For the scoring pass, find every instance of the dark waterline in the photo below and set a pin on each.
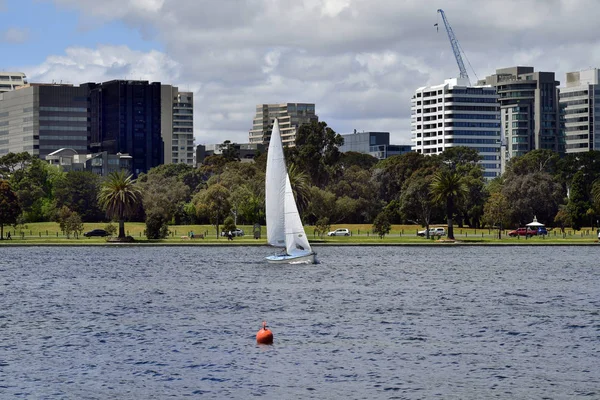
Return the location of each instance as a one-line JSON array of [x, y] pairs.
[[366, 323]]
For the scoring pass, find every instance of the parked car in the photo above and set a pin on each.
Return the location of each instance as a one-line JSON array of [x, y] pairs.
[[96, 232], [235, 232], [542, 231], [340, 232], [524, 232], [433, 232]]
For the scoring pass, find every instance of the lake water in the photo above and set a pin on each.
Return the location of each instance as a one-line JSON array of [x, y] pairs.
[[367, 323]]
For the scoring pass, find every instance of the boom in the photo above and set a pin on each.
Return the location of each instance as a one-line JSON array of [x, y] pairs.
[[455, 46]]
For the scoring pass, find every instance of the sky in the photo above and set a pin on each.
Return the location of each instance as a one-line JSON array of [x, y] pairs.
[[358, 61]]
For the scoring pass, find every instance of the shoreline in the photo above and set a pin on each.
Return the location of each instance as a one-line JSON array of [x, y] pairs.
[[341, 244]]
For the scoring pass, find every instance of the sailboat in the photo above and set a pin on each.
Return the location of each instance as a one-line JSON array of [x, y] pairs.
[[284, 227]]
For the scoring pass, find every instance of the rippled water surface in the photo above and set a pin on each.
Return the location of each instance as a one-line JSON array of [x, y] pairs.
[[366, 323]]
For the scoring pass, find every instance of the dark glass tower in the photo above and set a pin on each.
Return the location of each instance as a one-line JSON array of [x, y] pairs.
[[125, 118]]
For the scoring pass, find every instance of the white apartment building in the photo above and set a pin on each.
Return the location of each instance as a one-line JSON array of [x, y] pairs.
[[457, 114], [290, 116], [11, 81], [177, 125], [580, 109]]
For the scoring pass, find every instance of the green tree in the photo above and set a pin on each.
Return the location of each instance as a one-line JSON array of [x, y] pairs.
[[73, 225], [578, 204], [156, 225], [447, 186], [110, 228], [416, 202], [361, 160], [213, 203], [587, 162], [11, 162], [9, 206], [322, 226], [461, 156], [393, 172], [163, 196], [317, 152], [543, 160], [229, 224], [62, 215], [536, 194], [322, 204], [494, 212], [33, 187], [230, 151], [78, 190], [381, 225], [562, 218], [119, 196]]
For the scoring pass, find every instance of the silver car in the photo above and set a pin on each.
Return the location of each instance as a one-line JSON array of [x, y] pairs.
[[339, 232]]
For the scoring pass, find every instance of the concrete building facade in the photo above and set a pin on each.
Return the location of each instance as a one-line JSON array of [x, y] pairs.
[[530, 114], [42, 118], [11, 81], [290, 116], [177, 125], [458, 114], [580, 110]]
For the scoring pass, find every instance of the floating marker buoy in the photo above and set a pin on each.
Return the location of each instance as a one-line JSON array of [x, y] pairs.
[[264, 336]]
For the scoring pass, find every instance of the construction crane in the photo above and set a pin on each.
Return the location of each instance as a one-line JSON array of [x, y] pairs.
[[455, 46]]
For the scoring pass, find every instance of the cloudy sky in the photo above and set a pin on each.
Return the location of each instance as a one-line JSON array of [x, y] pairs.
[[359, 61]]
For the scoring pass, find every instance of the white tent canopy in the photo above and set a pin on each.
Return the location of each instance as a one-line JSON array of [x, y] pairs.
[[535, 223]]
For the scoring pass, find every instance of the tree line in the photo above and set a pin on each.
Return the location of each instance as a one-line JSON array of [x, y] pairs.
[[330, 188]]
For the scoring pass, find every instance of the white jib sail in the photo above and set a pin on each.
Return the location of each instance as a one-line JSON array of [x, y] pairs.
[[275, 189], [296, 242]]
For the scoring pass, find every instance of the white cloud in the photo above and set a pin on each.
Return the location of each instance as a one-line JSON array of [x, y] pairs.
[[79, 65], [14, 35], [359, 61]]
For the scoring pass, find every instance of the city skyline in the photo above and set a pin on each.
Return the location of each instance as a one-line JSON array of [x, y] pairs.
[[358, 61]]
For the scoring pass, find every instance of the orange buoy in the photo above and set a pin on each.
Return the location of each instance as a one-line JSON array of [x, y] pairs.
[[264, 336]]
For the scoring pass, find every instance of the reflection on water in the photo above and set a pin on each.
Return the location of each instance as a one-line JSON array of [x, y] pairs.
[[368, 322]]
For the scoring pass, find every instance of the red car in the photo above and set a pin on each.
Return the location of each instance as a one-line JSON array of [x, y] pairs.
[[523, 232]]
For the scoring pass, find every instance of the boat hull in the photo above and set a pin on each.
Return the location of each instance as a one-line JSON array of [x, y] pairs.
[[287, 259]]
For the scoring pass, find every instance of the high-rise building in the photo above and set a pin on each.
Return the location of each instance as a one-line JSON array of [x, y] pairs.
[[11, 81], [457, 114], [42, 118], [177, 125], [290, 116], [529, 110], [126, 118], [580, 109]]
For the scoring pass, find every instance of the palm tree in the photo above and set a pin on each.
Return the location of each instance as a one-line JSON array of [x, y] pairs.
[[119, 196], [448, 186]]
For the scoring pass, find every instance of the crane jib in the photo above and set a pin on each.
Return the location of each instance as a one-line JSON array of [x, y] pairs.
[[455, 46]]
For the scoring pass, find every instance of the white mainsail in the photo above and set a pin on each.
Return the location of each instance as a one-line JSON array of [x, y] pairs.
[[284, 227], [275, 190]]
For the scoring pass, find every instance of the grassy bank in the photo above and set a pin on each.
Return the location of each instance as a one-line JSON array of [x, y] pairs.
[[49, 233]]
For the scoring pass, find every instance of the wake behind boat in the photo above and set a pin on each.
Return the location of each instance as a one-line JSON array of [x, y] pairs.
[[284, 227]]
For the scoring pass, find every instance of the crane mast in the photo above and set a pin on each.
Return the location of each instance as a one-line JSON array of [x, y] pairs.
[[455, 46]]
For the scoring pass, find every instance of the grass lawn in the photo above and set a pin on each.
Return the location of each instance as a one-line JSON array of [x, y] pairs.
[[49, 233]]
